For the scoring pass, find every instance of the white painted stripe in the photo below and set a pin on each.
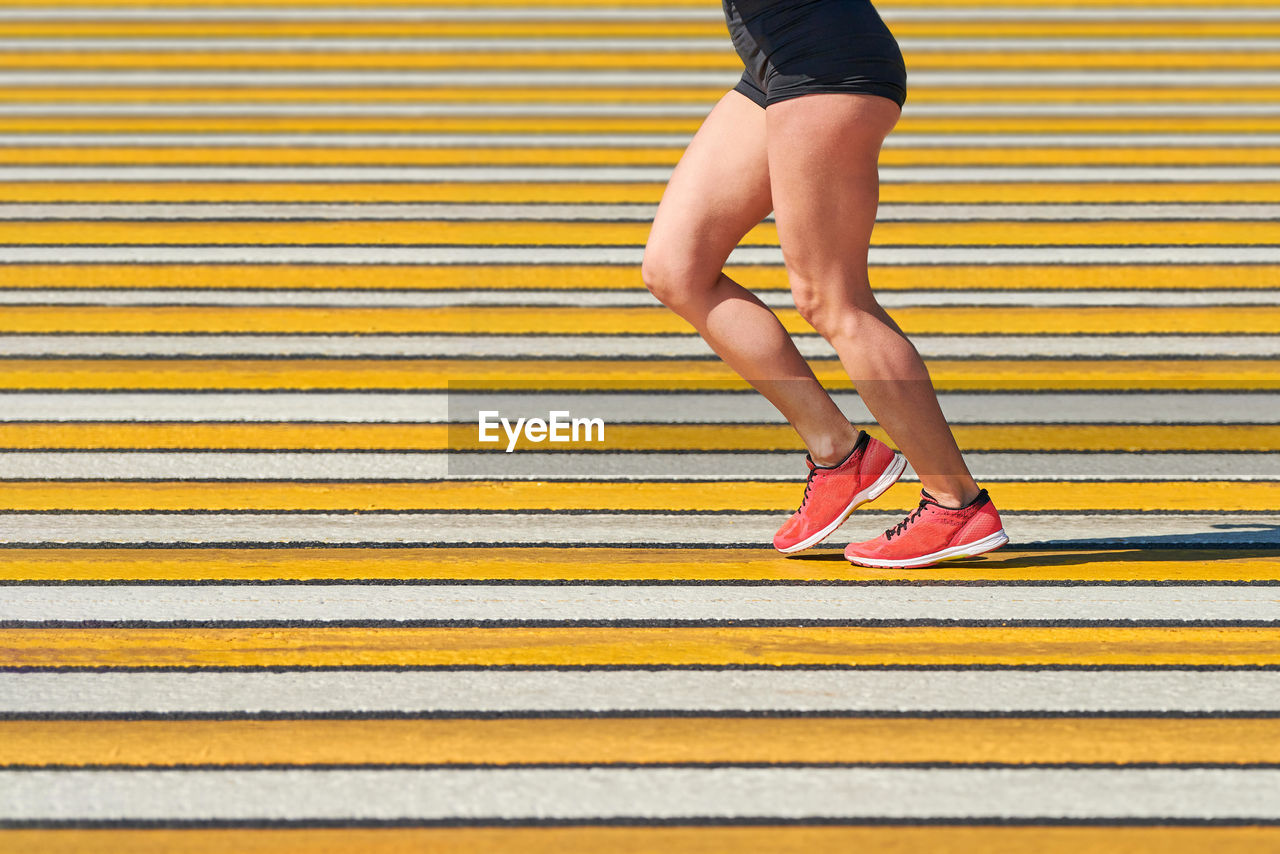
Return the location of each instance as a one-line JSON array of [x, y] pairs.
[[348, 408], [899, 139], [656, 12], [554, 462], [640, 44], [416, 109], [635, 297], [640, 77], [409, 139], [643, 794], [574, 602], [600, 346], [596, 212], [624, 174], [525, 529], [1030, 691], [1119, 12], [629, 256], [623, 407]]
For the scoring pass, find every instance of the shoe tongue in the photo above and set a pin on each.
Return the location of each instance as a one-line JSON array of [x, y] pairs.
[[929, 498], [808, 460]]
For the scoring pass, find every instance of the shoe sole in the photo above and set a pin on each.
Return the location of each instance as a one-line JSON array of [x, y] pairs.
[[988, 543], [887, 478]]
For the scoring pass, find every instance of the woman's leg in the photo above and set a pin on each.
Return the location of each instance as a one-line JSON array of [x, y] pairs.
[[718, 192], [823, 151]]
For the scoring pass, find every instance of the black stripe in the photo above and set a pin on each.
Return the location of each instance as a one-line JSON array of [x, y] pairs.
[[638, 668], [645, 358], [640, 220], [628, 821], [656, 336], [586, 483], [498, 289], [440, 450], [565, 222], [797, 623], [651, 582], [1119, 387], [665, 389], [621, 265], [572, 221], [246, 182], [727, 482], [1190, 541], [648, 714], [1136, 425], [640, 766]]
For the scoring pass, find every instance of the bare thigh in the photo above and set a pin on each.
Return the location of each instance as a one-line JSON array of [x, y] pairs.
[[823, 159], [717, 193]]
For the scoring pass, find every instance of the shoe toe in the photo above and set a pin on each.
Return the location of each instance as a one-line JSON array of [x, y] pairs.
[[789, 534], [868, 548]]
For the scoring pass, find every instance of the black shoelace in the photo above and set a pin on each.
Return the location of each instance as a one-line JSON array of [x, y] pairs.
[[807, 483], [897, 529]]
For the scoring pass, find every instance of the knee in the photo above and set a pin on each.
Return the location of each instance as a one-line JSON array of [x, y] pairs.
[[674, 278], [831, 312], [654, 273]]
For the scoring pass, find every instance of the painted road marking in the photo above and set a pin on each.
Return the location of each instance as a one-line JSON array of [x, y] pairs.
[[644, 794], [587, 693], [1092, 528], [668, 406], [512, 604], [509, 347], [640, 740]]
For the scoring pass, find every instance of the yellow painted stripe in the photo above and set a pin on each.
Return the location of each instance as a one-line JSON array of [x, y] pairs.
[[638, 374], [587, 192], [602, 94], [437, 29], [1014, 741], [602, 647], [611, 564], [624, 156], [971, 437], [621, 437], [685, 60], [429, 4], [520, 496], [638, 320], [1112, 124], [634, 840], [577, 233], [1196, 277], [671, 29]]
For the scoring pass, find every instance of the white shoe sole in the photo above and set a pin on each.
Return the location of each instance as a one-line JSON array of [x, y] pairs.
[[887, 479], [977, 547]]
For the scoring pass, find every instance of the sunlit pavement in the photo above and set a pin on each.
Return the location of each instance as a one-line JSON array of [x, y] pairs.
[[266, 587]]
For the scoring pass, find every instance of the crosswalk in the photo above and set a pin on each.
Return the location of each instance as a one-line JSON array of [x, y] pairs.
[[263, 588]]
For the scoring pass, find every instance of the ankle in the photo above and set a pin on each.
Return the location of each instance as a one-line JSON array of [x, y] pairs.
[[834, 449], [956, 497]]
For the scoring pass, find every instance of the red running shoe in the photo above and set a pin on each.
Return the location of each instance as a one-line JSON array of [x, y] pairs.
[[933, 533], [833, 492]]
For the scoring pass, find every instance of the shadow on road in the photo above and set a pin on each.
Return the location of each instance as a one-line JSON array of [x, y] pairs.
[[1228, 541]]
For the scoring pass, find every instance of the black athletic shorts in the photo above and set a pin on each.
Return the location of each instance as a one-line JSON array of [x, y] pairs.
[[798, 47]]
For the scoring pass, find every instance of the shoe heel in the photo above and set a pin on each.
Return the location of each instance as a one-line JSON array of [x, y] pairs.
[[890, 476], [989, 543]]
